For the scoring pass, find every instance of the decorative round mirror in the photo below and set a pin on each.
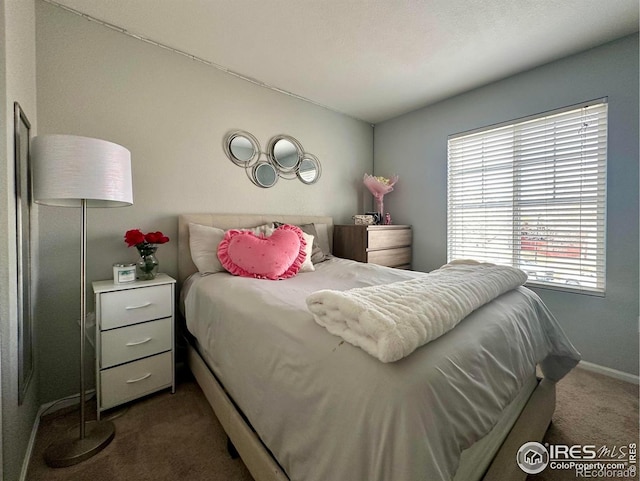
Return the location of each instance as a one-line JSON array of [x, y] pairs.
[[242, 148], [285, 158], [264, 175], [285, 153], [309, 169]]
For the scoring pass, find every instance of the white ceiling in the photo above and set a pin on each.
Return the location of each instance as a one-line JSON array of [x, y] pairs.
[[372, 59]]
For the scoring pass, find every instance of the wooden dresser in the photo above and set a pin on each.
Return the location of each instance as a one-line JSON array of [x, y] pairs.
[[386, 245]]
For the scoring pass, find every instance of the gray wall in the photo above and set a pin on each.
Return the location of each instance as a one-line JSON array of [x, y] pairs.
[[605, 330], [17, 83], [172, 114]]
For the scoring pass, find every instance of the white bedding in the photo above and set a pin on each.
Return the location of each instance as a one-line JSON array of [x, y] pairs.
[[390, 321], [329, 411]]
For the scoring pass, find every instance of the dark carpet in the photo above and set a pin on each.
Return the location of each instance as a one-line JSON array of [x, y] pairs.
[[167, 437], [591, 409], [162, 437]]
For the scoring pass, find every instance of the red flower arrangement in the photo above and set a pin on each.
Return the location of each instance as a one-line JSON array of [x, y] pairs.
[[135, 237], [147, 244]]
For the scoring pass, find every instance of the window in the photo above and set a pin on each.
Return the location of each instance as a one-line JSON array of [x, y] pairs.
[[531, 194]]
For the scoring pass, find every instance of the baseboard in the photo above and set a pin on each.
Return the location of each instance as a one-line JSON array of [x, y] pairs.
[[47, 408], [30, 444], [607, 371], [66, 402]]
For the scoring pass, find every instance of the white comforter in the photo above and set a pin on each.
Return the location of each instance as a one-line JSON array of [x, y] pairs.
[[328, 411], [390, 321]]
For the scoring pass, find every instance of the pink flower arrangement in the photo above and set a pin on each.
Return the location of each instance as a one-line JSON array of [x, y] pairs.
[[379, 186]]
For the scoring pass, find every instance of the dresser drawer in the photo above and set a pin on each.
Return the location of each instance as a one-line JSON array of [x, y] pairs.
[[390, 257], [121, 308], [389, 238], [129, 381], [133, 342]]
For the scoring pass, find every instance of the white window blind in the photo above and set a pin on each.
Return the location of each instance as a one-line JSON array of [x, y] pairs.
[[531, 194]]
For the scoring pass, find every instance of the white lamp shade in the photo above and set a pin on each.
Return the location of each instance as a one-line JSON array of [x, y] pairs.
[[69, 168]]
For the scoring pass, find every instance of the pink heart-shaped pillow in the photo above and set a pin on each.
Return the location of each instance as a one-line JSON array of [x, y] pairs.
[[278, 256]]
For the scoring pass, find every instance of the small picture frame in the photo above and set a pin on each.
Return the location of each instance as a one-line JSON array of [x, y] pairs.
[[377, 217]]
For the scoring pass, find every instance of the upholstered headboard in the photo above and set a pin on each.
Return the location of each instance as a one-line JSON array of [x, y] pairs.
[[186, 267]]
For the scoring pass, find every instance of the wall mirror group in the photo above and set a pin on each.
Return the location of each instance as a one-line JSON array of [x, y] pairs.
[[285, 158]]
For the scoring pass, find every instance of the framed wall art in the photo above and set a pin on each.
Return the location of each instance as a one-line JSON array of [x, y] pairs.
[[23, 184]]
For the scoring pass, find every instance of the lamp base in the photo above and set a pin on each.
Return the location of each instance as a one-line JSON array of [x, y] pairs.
[[98, 434]]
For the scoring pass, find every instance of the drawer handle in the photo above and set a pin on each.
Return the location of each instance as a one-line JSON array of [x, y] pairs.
[[146, 304], [131, 381], [137, 343]]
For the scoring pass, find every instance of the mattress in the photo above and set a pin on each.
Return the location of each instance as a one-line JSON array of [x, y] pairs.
[[328, 410], [475, 460]]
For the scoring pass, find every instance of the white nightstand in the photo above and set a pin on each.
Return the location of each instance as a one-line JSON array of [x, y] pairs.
[[134, 339]]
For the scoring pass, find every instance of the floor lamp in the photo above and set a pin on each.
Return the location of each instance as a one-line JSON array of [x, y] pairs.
[[72, 171]]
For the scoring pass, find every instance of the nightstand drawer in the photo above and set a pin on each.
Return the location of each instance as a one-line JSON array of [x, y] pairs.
[[390, 257], [386, 245], [121, 308], [386, 239], [130, 381], [133, 342]]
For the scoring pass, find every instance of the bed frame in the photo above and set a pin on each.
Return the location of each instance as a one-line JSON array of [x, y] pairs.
[[531, 424]]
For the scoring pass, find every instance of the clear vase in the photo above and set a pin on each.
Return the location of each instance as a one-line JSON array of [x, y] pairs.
[[148, 263], [380, 205]]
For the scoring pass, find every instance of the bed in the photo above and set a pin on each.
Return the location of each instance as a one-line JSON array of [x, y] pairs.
[[298, 403]]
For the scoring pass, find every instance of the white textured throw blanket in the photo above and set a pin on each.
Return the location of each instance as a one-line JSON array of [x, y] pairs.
[[390, 321]]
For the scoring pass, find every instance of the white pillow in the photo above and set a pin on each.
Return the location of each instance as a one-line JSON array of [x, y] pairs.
[[266, 229], [204, 241], [307, 265]]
